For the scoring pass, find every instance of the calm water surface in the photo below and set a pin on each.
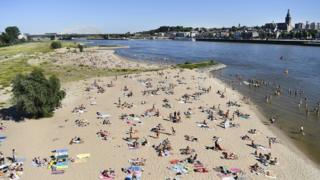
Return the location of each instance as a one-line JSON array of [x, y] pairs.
[[252, 61]]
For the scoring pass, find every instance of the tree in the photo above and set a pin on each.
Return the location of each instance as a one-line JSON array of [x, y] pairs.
[[4, 38], [56, 45], [12, 32], [35, 96]]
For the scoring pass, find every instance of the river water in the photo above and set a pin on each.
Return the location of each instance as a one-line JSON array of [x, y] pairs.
[[252, 61]]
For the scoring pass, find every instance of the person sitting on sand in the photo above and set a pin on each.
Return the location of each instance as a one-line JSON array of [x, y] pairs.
[[253, 144], [217, 145], [205, 123], [2, 158], [254, 168], [106, 122], [191, 159], [274, 161], [144, 142], [252, 131]]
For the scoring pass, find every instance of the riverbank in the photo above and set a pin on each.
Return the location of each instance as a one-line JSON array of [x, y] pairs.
[[280, 42], [193, 93]]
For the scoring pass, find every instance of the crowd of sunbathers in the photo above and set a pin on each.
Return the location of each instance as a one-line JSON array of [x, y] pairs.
[[212, 115], [10, 167]]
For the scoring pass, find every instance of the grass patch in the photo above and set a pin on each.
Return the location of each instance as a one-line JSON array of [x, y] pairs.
[[203, 64], [9, 69], [30, 48], [19, 64]]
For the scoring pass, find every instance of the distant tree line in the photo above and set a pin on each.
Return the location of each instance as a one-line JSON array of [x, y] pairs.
[[10, 36], [165, 29], [304, 34]]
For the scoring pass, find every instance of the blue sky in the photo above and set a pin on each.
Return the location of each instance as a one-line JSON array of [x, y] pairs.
[[118, 16]]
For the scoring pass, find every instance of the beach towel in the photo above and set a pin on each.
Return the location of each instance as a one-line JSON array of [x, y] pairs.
[[235, 170], [178, 168], [57, 171], [107, 178], [200, 168], [83, 156], [174, 161], [20, 160], [60, 167], [60, 151], [228, 178], [244, 116], [3, 138], [202, 125]]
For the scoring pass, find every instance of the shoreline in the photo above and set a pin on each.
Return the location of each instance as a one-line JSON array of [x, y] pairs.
[[279, 42]]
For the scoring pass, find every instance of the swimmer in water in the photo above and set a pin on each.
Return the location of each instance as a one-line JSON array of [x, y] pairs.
[[301, 130]]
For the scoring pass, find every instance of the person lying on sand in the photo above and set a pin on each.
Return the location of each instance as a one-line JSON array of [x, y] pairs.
[[190, 138], [108, 173], [186, 151], [231, 156], [76, 140], [246, 137]]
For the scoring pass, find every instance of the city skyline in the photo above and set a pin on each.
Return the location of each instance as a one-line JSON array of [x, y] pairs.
[[126, 16]]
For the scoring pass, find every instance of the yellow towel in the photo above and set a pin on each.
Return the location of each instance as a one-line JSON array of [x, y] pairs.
[[83, 156]]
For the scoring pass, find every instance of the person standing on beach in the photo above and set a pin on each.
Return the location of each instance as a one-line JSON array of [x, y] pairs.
[[13, 155], [270, 143], [173, 131]]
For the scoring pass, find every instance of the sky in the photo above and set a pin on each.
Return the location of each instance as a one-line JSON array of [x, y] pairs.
[[120, 16]]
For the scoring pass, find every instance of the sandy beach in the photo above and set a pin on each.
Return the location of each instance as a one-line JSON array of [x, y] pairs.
[[96, 57], [151, 97]]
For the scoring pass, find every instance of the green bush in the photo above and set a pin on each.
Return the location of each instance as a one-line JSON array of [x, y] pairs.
[[36, 96], [80, 47], [56, 45]]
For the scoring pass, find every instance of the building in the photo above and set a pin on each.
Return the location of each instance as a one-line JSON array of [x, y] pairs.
[[23, 36], [307, 25], [299, 26], [313, 26], [285, 26]]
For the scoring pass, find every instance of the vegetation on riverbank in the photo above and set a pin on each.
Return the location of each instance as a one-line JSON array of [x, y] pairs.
[[14, 60], [198, 65]]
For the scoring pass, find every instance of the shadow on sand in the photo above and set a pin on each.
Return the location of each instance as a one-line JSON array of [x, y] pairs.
[[11, 113]]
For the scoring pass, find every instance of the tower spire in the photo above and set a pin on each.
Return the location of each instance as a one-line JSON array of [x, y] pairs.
[[288, 13]]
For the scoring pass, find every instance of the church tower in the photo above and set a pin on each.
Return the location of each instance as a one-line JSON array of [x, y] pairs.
[[288, 18]]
